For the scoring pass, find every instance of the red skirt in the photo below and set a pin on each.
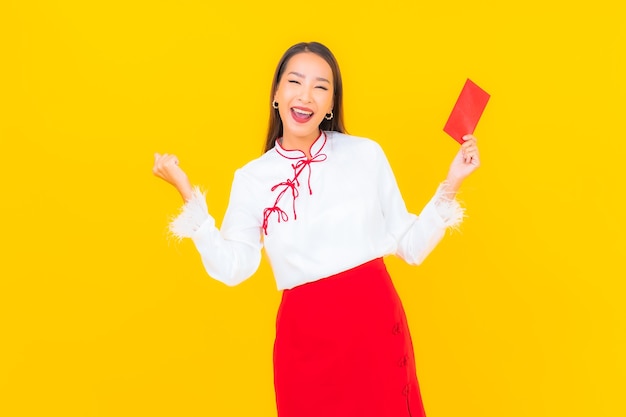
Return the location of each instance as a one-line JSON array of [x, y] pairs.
[[343, 348]]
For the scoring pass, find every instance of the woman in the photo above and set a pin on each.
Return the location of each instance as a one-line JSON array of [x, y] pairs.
[[326, 208]]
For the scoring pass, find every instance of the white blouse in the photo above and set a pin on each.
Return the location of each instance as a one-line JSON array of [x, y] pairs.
[[315, 217]]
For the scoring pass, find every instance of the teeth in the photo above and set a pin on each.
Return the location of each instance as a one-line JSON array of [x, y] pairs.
[[305, 113]]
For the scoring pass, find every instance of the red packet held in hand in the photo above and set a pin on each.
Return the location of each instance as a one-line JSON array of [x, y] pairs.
[[467, 111]]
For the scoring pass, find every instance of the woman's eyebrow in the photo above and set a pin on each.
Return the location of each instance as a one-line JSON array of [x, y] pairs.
[[297, 74]]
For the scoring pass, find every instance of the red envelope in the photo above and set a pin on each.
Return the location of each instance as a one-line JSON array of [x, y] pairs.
[[467, 111]]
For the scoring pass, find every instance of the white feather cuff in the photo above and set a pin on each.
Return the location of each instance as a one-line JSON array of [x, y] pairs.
[[193, 214], [448, 208]]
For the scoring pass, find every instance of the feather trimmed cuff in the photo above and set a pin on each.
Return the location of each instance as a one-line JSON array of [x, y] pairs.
[[193, 214], [448, 208]]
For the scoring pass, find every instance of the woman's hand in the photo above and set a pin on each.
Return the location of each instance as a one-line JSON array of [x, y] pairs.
[[465, 162], [166, 167]]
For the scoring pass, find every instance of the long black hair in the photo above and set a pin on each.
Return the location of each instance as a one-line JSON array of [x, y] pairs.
[[275, 129]]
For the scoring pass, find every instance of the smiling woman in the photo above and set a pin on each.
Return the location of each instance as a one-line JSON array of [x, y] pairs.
[[323, 74], [326, 208], [303, 98]]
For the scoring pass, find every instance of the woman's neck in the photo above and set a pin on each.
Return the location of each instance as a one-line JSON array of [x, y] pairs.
[[291, 142]]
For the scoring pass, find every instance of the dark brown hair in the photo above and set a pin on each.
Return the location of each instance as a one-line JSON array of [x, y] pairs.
[[275, 129]]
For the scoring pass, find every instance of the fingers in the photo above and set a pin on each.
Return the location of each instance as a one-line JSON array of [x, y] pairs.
[[469, 149], [163, 163], [165, 159], [470, 155]]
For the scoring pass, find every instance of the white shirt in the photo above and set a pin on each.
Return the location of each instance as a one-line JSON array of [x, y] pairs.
[[315, 217]]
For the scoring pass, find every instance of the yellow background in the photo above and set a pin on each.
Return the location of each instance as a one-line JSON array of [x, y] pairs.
[[520, 314]]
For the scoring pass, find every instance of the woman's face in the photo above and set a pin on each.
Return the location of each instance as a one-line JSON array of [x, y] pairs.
[[304, 95]]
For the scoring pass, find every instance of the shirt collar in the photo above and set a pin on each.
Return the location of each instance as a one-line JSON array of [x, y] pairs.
[[315, 149]]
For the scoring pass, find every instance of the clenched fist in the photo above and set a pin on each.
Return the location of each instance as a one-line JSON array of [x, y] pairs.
[[167, 168]]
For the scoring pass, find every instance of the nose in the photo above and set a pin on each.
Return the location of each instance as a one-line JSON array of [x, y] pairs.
[[305, 95]]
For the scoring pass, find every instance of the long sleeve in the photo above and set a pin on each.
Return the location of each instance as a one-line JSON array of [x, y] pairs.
[[416, 236], [232, 254], [345, 209]]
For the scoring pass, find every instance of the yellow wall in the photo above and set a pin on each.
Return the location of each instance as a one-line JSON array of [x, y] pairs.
[[520, 314]]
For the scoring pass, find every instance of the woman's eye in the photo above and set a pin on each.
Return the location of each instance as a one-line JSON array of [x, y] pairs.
[[294, 81], [322, 87]]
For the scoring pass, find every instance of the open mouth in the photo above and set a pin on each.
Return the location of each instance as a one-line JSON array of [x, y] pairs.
[[301, 115]]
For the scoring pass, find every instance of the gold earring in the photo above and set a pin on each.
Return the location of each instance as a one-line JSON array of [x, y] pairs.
[[275, 104], [329, 115]]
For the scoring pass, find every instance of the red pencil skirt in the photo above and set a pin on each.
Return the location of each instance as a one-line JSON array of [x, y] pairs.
[[343, 348]]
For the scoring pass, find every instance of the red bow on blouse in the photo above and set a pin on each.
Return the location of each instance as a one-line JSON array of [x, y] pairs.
[[291, 184]]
